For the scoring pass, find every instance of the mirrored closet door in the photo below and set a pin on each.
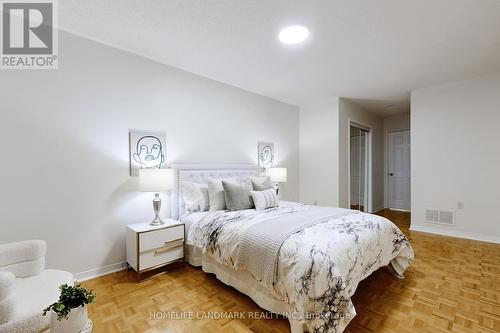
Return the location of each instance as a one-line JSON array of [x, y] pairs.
[[359, 165]]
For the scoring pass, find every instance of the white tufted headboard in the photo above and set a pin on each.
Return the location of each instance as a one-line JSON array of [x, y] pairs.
[[200, 173]]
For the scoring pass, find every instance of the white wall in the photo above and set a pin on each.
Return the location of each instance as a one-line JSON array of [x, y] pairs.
[[393, 123], [456, 156], [324, 158], [64, 141], [397, 122], [319, 152], [351, 112]]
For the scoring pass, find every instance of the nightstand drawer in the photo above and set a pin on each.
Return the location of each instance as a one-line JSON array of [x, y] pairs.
[[159, 257], [158, 238]]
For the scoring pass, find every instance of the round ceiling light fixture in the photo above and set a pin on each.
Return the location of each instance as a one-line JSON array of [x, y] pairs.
[[293, 34]]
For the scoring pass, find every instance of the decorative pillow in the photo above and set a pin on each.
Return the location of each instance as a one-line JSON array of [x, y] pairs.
[[195, 197], [216, 193], [264, 199], [237, 196], [262, 183]]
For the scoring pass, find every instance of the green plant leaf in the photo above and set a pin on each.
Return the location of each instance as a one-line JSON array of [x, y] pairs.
[[71, 297]]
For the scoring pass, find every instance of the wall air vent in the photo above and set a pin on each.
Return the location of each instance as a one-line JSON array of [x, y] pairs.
[[432, 215], [446, 217], [440, 216]]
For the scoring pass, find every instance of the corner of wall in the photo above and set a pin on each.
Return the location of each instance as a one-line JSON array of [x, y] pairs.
[[318, 145]]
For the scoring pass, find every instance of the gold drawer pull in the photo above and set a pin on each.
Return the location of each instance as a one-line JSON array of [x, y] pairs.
[[171, 245], [163, 250], [175, 240]]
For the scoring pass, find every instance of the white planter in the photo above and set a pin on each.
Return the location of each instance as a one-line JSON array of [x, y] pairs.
[[76, 321]]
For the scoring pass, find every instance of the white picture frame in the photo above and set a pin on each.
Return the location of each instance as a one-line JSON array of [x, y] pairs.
[[265, 155]]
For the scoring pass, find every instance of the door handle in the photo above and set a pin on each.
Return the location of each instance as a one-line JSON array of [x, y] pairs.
[[391, 174]]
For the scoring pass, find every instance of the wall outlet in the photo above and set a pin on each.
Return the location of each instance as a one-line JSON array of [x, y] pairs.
[[460, 205]]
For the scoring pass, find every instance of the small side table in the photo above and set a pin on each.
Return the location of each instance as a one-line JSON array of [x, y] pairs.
[[151, 247]]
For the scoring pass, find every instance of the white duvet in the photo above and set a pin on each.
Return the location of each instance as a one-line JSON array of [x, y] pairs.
[[320, 267]]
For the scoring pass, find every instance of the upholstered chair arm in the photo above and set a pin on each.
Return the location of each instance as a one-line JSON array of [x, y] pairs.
[[32, 324], [23, 259], [7, 297]]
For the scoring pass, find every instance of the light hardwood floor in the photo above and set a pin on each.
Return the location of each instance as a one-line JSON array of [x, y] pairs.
[[452, 286]]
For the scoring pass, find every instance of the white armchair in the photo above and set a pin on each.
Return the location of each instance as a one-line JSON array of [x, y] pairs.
[[26, 287]]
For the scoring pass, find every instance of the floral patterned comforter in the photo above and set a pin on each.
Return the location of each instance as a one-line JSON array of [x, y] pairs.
[[320, 267]]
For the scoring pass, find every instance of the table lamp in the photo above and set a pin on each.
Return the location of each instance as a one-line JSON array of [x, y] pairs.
[[277, 175], [156, 181]]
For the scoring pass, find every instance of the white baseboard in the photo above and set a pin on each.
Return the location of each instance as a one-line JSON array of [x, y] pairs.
[[378, 209], [456, 233], [100, 271], [400, 210]]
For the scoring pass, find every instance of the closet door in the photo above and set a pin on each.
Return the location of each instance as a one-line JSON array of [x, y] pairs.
[[359, 177]]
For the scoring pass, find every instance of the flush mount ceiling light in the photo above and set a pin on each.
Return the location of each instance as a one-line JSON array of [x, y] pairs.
[[293, 34]]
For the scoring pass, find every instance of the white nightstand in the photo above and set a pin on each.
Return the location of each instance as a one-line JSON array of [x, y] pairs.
[[150, 247]]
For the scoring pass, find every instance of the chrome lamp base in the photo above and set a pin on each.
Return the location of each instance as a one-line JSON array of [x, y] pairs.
[[157, 222], [156, 207]]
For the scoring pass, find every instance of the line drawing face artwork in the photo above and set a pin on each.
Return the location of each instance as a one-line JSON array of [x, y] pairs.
[[147, 150], [265, 155]]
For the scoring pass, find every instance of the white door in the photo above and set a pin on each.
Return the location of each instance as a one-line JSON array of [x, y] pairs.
[[399, 170]]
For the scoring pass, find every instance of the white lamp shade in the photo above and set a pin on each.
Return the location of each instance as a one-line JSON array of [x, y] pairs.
[[277, 175], [156, 180]]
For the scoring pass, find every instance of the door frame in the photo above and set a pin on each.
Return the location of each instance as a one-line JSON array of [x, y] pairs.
[[368, 164], [386, 168]]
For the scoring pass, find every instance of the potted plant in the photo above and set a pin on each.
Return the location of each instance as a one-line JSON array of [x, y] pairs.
[[69, 313]]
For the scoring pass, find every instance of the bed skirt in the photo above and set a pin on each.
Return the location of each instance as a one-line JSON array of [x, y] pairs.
[[244, 283]]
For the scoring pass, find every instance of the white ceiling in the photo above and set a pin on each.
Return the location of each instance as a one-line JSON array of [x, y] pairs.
[[374, 52]]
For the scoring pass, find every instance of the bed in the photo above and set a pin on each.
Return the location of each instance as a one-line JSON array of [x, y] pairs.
[[303, 262]]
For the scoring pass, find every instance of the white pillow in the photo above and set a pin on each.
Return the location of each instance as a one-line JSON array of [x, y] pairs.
[[264, 199], [262, 183], [216, 197], [195, 197]]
